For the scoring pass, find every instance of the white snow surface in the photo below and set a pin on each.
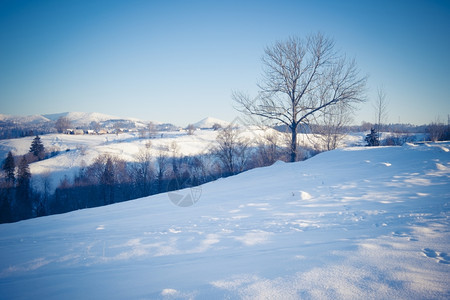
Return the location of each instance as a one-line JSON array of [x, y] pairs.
[[357, 223]]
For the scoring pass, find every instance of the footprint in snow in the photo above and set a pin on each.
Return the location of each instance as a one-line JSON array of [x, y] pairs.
[[440, 257], [404, 235]]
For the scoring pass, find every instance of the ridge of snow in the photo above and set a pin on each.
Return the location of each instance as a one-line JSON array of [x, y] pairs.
[[24, 119], [86, 118]]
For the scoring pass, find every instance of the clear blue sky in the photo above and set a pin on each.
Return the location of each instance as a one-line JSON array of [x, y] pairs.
[[179, 61]]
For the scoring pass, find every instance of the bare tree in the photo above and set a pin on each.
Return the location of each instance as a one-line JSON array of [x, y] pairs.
[[152, 130], [190, 129], [231, 150], [269, 149], [175, 159], [381, 109], [300, 79], [161, 168], [95, 126], [143, 172], [436, 130], [62, 124], [143, 132], [329, 127]]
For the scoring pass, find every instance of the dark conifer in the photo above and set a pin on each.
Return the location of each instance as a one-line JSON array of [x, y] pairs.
[[23, 195], [9, 167], [372, 138], [37, 148]]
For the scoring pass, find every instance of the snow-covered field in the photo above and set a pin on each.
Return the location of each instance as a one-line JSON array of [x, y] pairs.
[[356, 223]]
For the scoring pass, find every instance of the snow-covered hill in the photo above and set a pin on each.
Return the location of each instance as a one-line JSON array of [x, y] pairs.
[[358, 223], [210, 122], [84, 118], [32, 119]]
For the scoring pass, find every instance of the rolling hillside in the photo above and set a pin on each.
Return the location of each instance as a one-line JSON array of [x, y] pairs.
[[345, 224]]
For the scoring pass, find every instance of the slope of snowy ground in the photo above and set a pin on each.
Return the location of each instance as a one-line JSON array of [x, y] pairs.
[[358, 223]]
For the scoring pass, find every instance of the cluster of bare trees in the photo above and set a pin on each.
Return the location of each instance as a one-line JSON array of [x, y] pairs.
[[438, 131]]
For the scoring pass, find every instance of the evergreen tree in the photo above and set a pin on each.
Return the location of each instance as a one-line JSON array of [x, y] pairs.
[[23, 173], [372, 138], [37, 148], [107, 181], [23, 195], [7, 189], [5, 205], [9, 167]]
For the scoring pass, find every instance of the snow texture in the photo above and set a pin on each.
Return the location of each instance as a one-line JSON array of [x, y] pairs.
[[357, 223]]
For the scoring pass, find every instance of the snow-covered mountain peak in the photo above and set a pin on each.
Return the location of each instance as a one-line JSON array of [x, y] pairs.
[[209, 122]]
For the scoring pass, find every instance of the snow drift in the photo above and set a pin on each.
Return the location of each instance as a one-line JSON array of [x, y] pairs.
[[346, 224]]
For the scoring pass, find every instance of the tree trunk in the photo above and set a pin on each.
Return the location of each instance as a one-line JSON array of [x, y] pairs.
[[294, 143]]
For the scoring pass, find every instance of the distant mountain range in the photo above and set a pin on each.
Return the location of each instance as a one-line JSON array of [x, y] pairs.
[[77, 117], [18, 126]]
